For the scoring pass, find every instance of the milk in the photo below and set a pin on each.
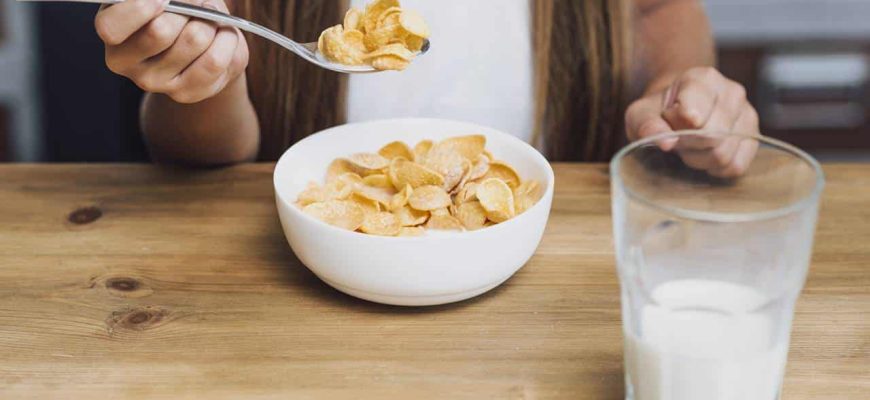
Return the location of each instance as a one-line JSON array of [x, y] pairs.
[[699, 340]]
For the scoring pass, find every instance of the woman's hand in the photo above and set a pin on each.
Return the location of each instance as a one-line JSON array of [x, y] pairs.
[[189, 60], [700, 98]]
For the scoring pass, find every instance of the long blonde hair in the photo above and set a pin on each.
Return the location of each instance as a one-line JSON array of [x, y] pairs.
[[580, 90]]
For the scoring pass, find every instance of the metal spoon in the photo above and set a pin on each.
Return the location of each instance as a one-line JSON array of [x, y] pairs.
[[308, 51]]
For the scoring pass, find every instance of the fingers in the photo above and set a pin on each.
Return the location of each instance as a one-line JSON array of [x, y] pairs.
[[693, 104], [713, 158], [644, 119], [195, 39], [700, 99], [746, 150], [188, 59], [210, 72], [117, 23], [706, 100], [154, 38]]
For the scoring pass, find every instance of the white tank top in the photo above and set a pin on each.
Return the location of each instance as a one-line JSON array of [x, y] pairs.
[[479, 69]]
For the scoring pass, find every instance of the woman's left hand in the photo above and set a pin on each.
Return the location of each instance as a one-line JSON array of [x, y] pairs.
[[700, 98]]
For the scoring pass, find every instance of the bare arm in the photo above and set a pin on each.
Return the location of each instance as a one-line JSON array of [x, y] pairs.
[[674, 36], [686, 92], [219, 130], [197, 109]]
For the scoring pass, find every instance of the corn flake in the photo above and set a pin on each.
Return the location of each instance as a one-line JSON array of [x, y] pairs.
[[401, 199], [526, 195], [453, 185], [428, 198], [373, 12], [470, 147], [504, 172], [421, 150], [389, 63], [410, 217], [353, 19], [449, 163], [444, 223], [378, 180], [403, 172], [412, 231], [497, 199], [342, 214], [368, 162], [337, 168], [382, 195], [472, 215], [381, 224], [385, 36], [343, 46], [414, 24], [441, 211], [467, 193], [369, 206], [396, 150]]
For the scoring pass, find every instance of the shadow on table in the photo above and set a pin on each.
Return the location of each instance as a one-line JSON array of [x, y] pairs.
[[298, 276]]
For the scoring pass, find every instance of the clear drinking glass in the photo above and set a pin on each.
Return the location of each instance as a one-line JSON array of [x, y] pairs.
[[710, 268]]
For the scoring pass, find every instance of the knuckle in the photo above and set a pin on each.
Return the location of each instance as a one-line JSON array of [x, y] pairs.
[[179, 96], [213, 64], [691, 116], [704, 74], [695, 88], [710, 73], [738, 91], [721, 156], [113, 64], [144, 7], [171, 85], [241, 59], [152, 82], [185, 97], [198, 36], [105, 32], [752, 116], [148, 83], [160, 33], [633, 109]]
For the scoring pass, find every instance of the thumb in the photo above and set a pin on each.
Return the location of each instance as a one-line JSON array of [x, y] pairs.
[[644, 119]]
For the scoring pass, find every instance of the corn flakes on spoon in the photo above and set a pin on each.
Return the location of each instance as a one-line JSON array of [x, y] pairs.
[[307, 51]]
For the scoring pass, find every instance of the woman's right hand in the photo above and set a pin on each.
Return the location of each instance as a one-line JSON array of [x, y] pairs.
[[185, 58]]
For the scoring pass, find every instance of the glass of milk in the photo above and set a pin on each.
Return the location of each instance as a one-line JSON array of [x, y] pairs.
[[710, 264]]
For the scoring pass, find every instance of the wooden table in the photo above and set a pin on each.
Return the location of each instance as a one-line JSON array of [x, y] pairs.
[[146, 282]]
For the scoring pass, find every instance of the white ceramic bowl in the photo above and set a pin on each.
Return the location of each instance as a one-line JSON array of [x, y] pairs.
[[416, 271]]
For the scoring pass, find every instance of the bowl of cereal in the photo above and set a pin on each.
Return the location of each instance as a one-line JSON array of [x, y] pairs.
[[413, 212]]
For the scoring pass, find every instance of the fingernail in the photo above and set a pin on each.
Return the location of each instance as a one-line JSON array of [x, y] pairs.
[[670, 98], [666, 99], [211, 5]]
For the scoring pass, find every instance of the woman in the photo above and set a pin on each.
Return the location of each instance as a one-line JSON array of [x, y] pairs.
[[560, 73]]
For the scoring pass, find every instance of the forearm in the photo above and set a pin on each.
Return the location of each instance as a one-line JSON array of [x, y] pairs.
[[220, 130], [674, 35]]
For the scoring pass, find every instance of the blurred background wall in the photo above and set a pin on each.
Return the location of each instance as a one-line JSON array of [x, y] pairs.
[[806, 64]]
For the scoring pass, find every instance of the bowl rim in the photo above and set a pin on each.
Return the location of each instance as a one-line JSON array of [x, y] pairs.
[[536, 156]]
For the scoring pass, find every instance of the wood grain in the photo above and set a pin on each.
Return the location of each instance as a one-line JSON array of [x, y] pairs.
[[146, 282]]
